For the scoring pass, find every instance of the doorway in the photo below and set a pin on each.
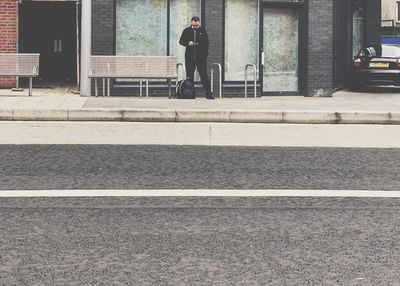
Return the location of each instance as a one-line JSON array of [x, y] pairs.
[[349, 36], [280, 49], [50, 28]]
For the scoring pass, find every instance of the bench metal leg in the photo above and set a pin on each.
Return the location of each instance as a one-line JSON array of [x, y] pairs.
[[141, 88], [30, 86], [104, 87], [169, 88], [108, 91], [96, 92], [147, 88]]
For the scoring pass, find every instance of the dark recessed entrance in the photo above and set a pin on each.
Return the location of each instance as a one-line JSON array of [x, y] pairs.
[[49, 28]]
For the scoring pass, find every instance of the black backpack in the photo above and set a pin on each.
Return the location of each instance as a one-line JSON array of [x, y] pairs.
[[185, 90]]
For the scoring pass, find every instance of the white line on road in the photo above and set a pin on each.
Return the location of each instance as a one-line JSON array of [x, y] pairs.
[[200, 193]]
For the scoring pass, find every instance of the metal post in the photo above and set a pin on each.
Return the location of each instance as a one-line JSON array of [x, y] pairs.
[[141, 87], [183, 73], [245, 82], [108, 80], [220, 78], [147, 88], [104, 87], [169, 88], [96, 93], [255, 79], [183, 70], [30, 86], [17, 36], [85, 50], [77, 46]]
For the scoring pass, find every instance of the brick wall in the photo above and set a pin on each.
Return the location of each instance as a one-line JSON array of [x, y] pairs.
[[8, 34], [102, 27], [320, 48], [102, 31]]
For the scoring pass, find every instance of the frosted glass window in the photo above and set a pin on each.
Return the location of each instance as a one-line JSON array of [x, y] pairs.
[[358, 30], [141, 27], [181, 12], [281, 45], [241, 37]]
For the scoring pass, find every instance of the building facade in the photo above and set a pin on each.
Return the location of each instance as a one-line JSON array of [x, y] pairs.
[[390, 13], [8, 34], [299, 47], [390, 22]]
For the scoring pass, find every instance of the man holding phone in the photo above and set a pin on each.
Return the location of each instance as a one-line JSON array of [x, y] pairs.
[[195, 39]]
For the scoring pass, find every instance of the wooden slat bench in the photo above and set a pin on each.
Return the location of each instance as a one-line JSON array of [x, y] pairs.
[[133, 67], [21, 65]]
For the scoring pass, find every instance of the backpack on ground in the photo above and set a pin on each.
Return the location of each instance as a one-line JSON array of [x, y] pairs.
[[185, 90]]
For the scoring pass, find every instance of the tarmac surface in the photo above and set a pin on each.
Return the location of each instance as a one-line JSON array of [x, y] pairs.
[[47, 167], [199, 241]]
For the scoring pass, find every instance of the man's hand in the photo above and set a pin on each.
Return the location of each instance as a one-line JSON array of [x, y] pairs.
[[190, 44]]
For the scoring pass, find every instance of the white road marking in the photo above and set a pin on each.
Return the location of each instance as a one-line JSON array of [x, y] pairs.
[[200, 193]]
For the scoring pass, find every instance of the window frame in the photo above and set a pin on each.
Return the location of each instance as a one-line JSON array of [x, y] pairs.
[[398, 12], [302, 5], [241, 82], [168, 52], [134, 82], [363, 5]]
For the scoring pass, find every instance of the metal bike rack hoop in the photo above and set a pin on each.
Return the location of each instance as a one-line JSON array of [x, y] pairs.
[[183, 70], [255, 79], [220, 78]]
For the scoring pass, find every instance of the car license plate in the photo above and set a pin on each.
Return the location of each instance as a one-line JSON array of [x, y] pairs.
[[378, 65]]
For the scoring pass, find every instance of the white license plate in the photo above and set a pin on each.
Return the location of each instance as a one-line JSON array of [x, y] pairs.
[[378, 65]]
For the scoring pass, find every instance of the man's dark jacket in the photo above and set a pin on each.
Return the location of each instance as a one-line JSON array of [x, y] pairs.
[[200, 51]]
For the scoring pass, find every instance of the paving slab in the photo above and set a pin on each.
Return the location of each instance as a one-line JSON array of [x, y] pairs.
[[30, 103], [73, 102], [9, 102]]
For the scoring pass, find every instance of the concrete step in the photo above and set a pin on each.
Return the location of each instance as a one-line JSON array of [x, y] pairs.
[[197, 115]]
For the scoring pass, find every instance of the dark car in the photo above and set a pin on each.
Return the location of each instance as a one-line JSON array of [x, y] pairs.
[[376, 65]]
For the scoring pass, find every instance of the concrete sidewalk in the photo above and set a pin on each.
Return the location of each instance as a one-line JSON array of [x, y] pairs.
[[380, 105]]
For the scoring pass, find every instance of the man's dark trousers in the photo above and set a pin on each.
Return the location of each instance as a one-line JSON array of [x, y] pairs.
[[201, 65]]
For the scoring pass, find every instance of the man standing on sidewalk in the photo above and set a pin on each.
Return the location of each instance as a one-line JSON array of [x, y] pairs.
[[195, 39]]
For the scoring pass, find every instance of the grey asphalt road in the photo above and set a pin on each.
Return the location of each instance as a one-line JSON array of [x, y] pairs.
[[199, 241], [188, 167]]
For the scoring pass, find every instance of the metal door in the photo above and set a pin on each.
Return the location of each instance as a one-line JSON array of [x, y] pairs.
[[49, 28]]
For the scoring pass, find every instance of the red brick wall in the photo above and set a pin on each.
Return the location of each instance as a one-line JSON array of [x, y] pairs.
[[8, 34]]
